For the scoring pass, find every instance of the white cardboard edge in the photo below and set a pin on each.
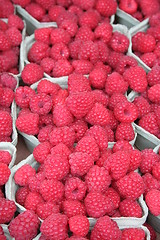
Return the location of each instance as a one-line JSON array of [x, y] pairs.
[[30, 140], [11, 149], [126, 19], [6, 231]]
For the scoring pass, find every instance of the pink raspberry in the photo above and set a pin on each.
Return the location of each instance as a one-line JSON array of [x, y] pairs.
[[149, 123], [104, 32], [97, 204], [7, 97], [153, 93], [61, 149], [89, 51], [23, 95], [75, 189], [126, 112], [73, 208], [113, 196], [133, 233], [82, 66], [84, 5], [88, 145], [7, 210], [117, 164], [84, 33], [79, 225], [97, 179], [25, 224], [21, 195], [131, 186], [74, 48], [32, 73], [14, 36], [135, 159], [106, 8], [114, 58], [129, 7], [156, 170], [41, 151], [78, 166], [61, 115], [149, 159], [51, 189], [44, 133], [153, 76], [47, 65], [90, 18], [76, 9], [122, 145], [125, 63], [59, 35], [97, 78], [62, 68], [35, 181], [7, 8], [103, 56], [5, 157], [46, 4], [149, 7], [40, 103], [47, 87], [115, 98], [66, 16], [150, 182], [143, 106], [130, 208], [106, 228], [35, 10], [32, 200], [7, 80], [115, 83], [59, 51], [100, 97], [4, 173], [5, 43], [146, 43], [78, 83], [124, 131], [119, 42], [70, 26], [153, 234], [45, 209], [28, 123], [103, 157], [60, 97], [23, 173], [38, 51], [149, 59], [152, 200], [45, 120], [80, 127], [54, 11]]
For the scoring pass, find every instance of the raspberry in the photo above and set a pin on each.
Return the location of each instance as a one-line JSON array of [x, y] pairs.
[[43, 35], [76, 10], [40, 103], [7, 9], [7, 97], [62, 68], [62, 116], [113, 196], [153, 93], [60, 97], [115, 84], [115, 98], [78, 166], [35, 10], [44, 210], [97, 179], [154, 20], [125, 63], [3, 25], [113, 123], [150, 182], [51, 190], [8, 60], [46, 4], [70, 26], [35, 181], [156, 171], [104, 155], [149, 123], [78, 83], [38, 51], [119, 42], [133, 233], [152, 200], [153, 76], [89, 51], [48, 87], [23, 95], [104, 32], [97, 78], [75, 189], [103, 56], [5, 157], [90, 18], [146, 43], [114, 58], [61, 149], [88, 145], [130, 208], [100, 97], [4, 173], [25, 224], [80, 127], [32, 73], [54, 11], [149, 159], [129, 7], [8, 81], [122, 145], [28, 123], [126, 112], [124, 131], [82, 66], [23, 173], [5, 124], [135, 159], [32, 200], [149, 59], [14, 36], [5, 43], [59, 35], [7, 210], [79, 225], [74, 48], [84, 33], [64, 135], [142, 105], [21, 195], [44, 133], [137, 79], [73, 208], [131, 186], [97, 204], [149, 7], [22, 3], [106, 228], [117, 164], [41, 152], [153, 235], [59, 51], [84, 5], [106, 8]]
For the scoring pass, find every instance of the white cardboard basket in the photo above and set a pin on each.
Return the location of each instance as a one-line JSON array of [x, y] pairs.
[[126, 19]]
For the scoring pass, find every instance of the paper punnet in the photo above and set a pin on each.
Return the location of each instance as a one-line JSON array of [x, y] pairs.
[[125, 19]]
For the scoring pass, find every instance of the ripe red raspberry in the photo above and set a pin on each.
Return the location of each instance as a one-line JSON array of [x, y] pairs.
[[5, 157], [8, 60], [150, 182], [113, 122], [135, 159], [60, 97], [153, 76], [21, 195], [59, 51], [130, 208], [78, 166], [124, 131], [149, 123], [7, 97], [89, 51], [97, 78], [115, 84], [97, 204], [8, 80], [103, 56], [25, 224], [84, 5], [52, 190], [54, 11], [46, 4], [45, 209], [73, 208], [104, 32], [122, 145], [114, 58], [3, 25], [129, 7], [90, 18], [4, 173], [117, 164], [142, 105], [64, 135], [7, 9], [152, 199], [106, 8], [14, 35], [154, 20], [106, 228], [153, 93], [125, 63], [35, 10], [84, 33], [103, 157], [80, 127], [47, 65], [41, 151], [74, 48], [32, 200], [62, 68], [149, 59], [79, 225], [149, 7], [70, 26], [153, 234], [35, 181], [78, 83], [32, 73], [61, 149], [156, 170], [119, 42], [100, 97], [146, 43], [38, 51], [59, 35], [82, 66], [22, 3], [66, 16], [75, 189], [45, 120], [76, 9], [131, 186], [133, 233], [48, 87], [44, 133], [5, 43], [97, 179], [7, 210], [23, 173], [61, 115], [126, 112], [113, 196], [149, 159], [137, 78], [115, 98], [28, 123], [40, 103], [5, 124]]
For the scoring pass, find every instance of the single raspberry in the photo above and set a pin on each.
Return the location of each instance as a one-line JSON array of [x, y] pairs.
[[64, 135], [78, 166], [28, 123], [35, 181], [47, 65], [146, 43], [106, 228], [5, 43], [153, 234], [41, 151], [78, 83], [75, 189], [52, 190], [97, 204], [7, 97], [38, 51], [35, 10], [90, 18], [115, 98], [133, 233], [14, 35], [156, 170], [142, 105], [43, 35], [153, 76], [149, 7], [115, 84], [135, 159], [54, 11], [113, 196], [97, 179], [122, 145], [152, 200], [32, 200], [106, 8], [32, 73], [131, 186], [124, 131], [150, 182], [8, 60], [119, 42], [149, 159], [5, 157], [73, 208], [22, 3], [66, 16], [153, 93], [84, 33], [104, 32], [114, 58], [21, 195], [7, 80], [45, 120], [117, 164], [4, 173], [125, 112], [25, 224], [79, 225], [59, 51], [149, 59], [62, 68], [59, 35], [45, 209], [103, 56], [7, 210], [40, 103], [60, 97], [47, 87], [61, 149], [7, 9], [103, 157], [70, 26], [129, 7], [74, 48], [89, 51], [82, 66], [5, 124], [100, 97], [97, 78], [154, 31], [84, 5], [44, 133], [154, 20], [23, 95], [125, 63], [62, 116], [76, 9], [80, 127], [46, 4], [130, 208], [23, 173]]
